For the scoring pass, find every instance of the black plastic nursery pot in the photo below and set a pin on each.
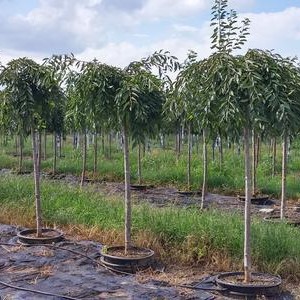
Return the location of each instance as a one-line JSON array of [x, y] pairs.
[[256, 199], [138, 259], [28, 236], [261, 284]]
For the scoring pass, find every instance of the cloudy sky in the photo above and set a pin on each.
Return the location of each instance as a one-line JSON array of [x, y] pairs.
[[119, 31]]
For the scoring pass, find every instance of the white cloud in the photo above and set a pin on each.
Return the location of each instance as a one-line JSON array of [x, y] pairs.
[[116, 54], [156, 9], [185, 28], [279, 31], [7, 55], [120, 54], [75, 18]]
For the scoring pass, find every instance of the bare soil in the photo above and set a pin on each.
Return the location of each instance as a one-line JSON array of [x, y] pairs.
[[256, 280], [131, 253], [47, 234]]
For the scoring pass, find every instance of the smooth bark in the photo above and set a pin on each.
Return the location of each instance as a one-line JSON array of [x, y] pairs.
[[36, 174], [189, 157], [254, 187], [21, 153], [204, 183], [95, 152], [54, 154], [16, 145], [83, 160], [40, 147], [274, 145], [178, 142], [247, 217], [283, 175], [127, 189], [139, 164], [60, 144], [103, 142], [110, 144], [74, 141], [258, 151], [45, 145], [221, 153], [213, 150]]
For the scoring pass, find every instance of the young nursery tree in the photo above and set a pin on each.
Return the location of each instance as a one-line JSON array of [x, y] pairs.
[[29, 87], [91, 99], [139, 101]]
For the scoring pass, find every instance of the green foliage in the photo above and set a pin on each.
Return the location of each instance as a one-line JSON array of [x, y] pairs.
[[91, 96], [30, 91], [228, 34]]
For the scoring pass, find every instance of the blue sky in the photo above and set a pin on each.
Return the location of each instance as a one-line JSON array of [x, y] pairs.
[[119, 31]]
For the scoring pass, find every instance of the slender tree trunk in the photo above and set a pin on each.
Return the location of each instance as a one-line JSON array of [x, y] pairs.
[[258, 151], [54, 154], [179, 141], [221, 153], [74, 140], [274, 157], [247, 219], [253, 162], [60, 144], [45, 145], [78, 141], [40, 147], [213, 150], [36, 174], [163, 141], [139, 164], [283, 174], [204, 183], [110, 142], [189, 158], [128, 243], [95, 152], [16, 144], [177, 146], [270, 143], [83, 160], [21, 153], [103, 142], [182, 136], [52, 141]]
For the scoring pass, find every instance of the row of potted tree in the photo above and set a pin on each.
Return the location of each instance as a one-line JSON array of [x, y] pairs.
[[225, 94]]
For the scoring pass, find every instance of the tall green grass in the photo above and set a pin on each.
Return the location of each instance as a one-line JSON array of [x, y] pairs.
[[195, 235]]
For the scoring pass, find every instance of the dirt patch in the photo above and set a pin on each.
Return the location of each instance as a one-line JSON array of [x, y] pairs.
[[131, 253]]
